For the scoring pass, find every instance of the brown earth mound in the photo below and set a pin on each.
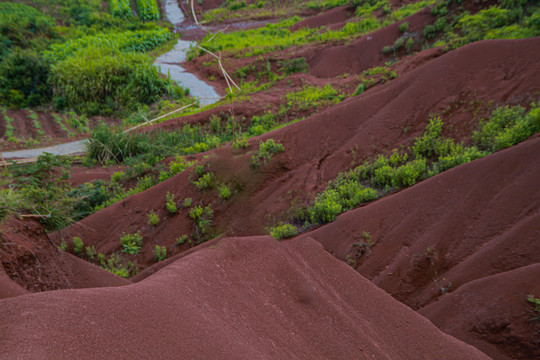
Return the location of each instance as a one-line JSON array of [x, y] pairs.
[[383, 118], [493, 308], [29, 261], [337, 15], [463, 225], [366, 51], [244, 298]]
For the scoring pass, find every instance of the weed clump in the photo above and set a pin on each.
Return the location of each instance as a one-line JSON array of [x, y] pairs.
[[160, 253], [153, 218], [131, 242], [283, 231], [170, 203], [266, 151]]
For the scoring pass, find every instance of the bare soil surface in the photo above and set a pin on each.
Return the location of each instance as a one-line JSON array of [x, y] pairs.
[[442, 236], [240, 299]]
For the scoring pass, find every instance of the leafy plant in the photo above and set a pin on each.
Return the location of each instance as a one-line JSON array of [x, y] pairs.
[[283, 231], [171, 204], [240, 143], [91, 252], [206, 181], [202, 217], [404, 27], [181, 240], [131, 242], [188, 202], [148, 9], [224, 192], [78, 245], [153, 218], [266, 151], [160, 253]]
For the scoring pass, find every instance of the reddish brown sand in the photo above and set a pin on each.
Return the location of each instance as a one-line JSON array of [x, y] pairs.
[[461, 226], [30, 262], [244, 298], [379, 120]]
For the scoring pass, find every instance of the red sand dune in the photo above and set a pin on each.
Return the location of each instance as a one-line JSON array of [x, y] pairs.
[[29, 261], [503, 71], [244, 298], [462, 226]]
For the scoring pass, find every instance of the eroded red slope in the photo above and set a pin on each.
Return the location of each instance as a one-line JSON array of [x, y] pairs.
[[466, 224], [244, 298], [30, 262], [493, 308], [316, 149]]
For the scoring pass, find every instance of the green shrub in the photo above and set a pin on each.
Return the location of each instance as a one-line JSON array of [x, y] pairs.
[[91, 252], [507, 126], [10, 202], [224, 192], [240, 143], [313, 97], [117, 176], [107, 82], [266, 151], [78, 245], [44, 189], [295, 65], [206, 181], [171, 204], [24, 79], [63, 245], [153, 218], [20, 24], [404, 27], [283, 231], [113, 41], [117, 265], [202, 217], [188, 202], [148, 9], [160, 253], [131, 242], [120, 8], [182, 239]]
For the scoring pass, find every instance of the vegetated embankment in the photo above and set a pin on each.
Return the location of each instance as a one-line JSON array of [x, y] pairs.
[[453, 239], [319, 147]]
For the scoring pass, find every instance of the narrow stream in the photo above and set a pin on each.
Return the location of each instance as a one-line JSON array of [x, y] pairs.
[[166, 63]]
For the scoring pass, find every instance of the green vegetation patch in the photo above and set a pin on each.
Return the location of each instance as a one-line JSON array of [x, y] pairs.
[[430, 154]]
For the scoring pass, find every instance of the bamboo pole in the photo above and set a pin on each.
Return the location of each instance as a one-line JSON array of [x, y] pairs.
[[159, 117]]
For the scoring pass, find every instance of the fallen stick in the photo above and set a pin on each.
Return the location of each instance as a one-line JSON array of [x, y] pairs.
[[159, 117]]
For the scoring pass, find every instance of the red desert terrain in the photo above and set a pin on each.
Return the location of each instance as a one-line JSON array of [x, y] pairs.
[[445, 275]]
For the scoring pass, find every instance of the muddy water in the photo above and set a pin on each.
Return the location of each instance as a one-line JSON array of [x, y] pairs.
[[168, 62]]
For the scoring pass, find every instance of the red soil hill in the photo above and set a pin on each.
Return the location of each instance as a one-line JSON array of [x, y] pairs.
[[29, 261], [463, 225], [244, 298], [316, 149]]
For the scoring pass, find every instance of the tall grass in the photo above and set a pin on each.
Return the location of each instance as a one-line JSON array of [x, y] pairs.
[[120, 8], [124, 41]]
